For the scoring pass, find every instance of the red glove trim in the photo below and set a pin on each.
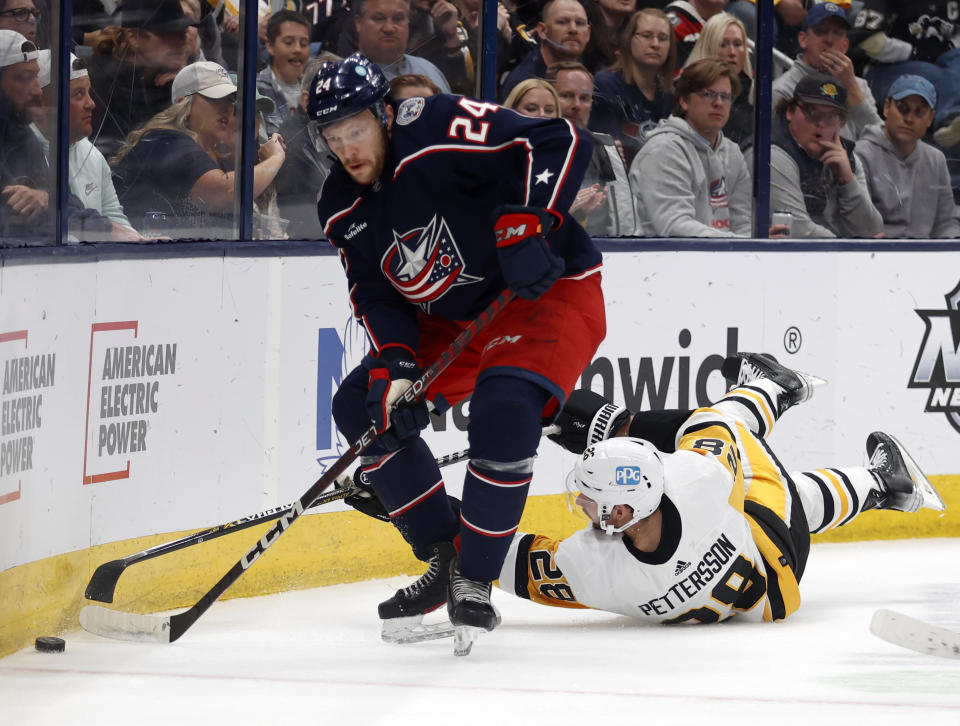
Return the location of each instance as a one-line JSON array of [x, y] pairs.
[[516, 227]]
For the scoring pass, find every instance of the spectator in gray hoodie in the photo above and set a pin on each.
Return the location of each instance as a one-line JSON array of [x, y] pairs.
[[908, 179], [689, 179]]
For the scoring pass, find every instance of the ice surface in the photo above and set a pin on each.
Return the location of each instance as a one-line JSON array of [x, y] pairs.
[[315, 657]]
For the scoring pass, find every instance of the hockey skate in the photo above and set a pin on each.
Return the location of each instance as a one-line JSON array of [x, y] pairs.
[[744, 368], [903, 486], [469, 608], [402, 614]]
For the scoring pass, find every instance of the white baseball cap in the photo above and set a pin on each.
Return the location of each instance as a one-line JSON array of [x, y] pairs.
[[78, 69], [207, 78], [14, 48]]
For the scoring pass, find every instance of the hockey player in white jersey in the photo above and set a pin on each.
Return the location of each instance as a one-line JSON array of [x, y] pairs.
[[714, 528]]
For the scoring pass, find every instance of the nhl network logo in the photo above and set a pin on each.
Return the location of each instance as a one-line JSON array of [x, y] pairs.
[[937, 367]]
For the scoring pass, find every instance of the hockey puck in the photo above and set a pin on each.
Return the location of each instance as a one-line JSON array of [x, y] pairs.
[[47, 644]]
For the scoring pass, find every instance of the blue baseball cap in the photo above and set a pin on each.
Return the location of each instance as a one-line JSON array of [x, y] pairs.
[[911, 85], [822, 11]]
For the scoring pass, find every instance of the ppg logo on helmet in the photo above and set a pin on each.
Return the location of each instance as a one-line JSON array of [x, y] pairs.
[[628, 475]]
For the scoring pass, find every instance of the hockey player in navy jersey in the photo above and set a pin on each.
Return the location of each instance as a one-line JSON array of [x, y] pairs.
[[436, 206]]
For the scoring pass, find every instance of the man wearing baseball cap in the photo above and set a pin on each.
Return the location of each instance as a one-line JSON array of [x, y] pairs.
[[24, 173], [813, 173], [908, 178], [824, 45], [135, 64]]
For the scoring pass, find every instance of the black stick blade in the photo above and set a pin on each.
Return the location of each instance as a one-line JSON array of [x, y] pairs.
[[103, 583]]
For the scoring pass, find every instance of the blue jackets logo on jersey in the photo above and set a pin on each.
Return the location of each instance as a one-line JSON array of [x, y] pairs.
[[424, 263]]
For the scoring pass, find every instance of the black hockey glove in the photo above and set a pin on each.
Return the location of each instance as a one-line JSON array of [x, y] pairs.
[[362, 497], [389, 377], [587, 418], [527, 263]]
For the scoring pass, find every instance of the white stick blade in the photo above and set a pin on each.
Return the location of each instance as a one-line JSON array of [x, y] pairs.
[[914, 634], [125, 626]]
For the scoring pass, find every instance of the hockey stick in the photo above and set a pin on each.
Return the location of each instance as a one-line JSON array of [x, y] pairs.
[[168, 628], [914, 634], [103, 582]]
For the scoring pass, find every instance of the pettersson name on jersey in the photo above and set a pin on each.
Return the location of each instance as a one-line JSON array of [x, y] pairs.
[[710, 565]]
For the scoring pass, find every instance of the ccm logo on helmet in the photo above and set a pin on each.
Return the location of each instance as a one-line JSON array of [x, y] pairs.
[[628, 475]]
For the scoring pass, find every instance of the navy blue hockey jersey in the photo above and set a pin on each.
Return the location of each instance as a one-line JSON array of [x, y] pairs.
[[421, 238]]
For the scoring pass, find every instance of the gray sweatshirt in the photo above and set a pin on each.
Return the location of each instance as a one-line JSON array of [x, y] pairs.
[[860, 116], [849, 212], [912, 193], [685, 188]]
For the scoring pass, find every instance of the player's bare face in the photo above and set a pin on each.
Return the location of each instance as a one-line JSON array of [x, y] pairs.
[[383, 30], [708, 109], [538, 103], [650, 44], [360, 143], [566, 27], [907, 120], [733, 47], [829, 34]]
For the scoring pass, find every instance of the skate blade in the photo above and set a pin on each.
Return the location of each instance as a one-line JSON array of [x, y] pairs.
[[464, 636], [413, 630], [930, 499]]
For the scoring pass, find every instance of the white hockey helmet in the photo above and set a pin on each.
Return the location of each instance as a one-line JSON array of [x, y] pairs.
[[621, 470]]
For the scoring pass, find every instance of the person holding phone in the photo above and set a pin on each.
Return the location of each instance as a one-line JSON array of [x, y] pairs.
[[814, 174]]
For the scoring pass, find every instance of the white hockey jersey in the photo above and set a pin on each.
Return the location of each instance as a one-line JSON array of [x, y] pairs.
[[713, 560]]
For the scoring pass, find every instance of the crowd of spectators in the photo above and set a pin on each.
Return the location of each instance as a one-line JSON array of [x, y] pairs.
[[864, 139]]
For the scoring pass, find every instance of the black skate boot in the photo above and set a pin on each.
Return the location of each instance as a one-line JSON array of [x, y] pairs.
[[744, 368], [469, 608], [402, 614], [902, 485]]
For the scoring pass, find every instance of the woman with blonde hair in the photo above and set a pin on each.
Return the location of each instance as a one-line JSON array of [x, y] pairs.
[[724, 36], [170, 174], [636, 92], [534, 97]]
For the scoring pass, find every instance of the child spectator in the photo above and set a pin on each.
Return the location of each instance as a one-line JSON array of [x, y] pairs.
[[689, 180], [635, 94], [908, 179], [288, 43], [814, 174], [724, 36]]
